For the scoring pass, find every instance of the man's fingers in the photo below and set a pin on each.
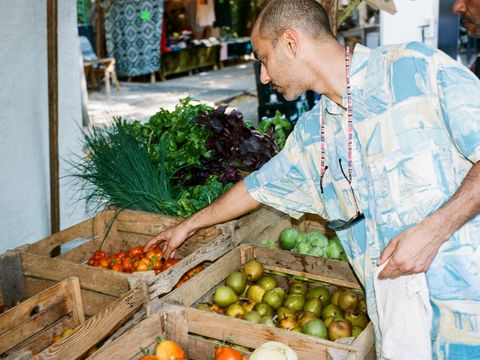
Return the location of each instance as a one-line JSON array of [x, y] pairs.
[[152, 242]]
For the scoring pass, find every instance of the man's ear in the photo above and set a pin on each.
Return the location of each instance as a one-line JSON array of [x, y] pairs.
[[291, 41]]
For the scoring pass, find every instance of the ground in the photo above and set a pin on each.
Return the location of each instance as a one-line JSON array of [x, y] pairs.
[[233, 85]]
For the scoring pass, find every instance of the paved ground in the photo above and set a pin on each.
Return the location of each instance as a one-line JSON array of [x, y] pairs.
[[233, 85]]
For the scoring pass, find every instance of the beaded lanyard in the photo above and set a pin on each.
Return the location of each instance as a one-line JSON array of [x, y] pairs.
[[323, 168]]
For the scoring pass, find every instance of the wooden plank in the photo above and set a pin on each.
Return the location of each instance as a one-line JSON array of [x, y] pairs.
[[73, 287], [92, 278], [44, 246], [32, 306], [334, 271], [166, 280], [11, 278], [93, 301], [43, 338], [96, 328], [258, 226], [128, 345], [82, 252], [36, 323]]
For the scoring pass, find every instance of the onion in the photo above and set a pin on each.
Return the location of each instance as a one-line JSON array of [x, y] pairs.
[[274, 350]]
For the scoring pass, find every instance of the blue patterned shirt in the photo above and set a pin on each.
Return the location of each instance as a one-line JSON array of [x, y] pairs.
[[416, 134]]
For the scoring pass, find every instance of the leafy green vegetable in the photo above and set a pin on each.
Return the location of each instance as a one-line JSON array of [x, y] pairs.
[[118, 171], [281, 126]]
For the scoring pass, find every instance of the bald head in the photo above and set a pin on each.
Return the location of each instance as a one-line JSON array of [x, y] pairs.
[[306, 15]]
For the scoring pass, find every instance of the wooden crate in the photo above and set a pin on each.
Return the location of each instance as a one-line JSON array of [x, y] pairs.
[[36, 270], [250, 335], [27, 330], [32, 323]]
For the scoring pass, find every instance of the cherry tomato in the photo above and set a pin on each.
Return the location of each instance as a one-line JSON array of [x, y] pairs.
[[99, 254], [194, 271], [118, 267], [136, 251], [104, 263], [143, 265], [170, 262]]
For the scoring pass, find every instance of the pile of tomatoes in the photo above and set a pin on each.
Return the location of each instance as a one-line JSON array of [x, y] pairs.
[[135, 259]]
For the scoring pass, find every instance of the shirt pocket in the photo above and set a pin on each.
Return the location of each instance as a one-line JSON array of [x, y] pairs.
[[409, 184]]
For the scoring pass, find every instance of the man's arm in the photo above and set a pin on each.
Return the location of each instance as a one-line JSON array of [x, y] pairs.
[[413, 250], [234, 203]]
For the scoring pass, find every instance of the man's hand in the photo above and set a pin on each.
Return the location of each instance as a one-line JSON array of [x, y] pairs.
[[412, 251], [235, 202], [169, 239]]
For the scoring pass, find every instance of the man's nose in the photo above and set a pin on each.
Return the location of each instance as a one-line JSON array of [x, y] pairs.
[[264, 78], [459, 6]]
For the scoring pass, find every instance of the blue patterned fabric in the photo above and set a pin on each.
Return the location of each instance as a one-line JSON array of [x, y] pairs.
[[416, 123], [132, 32]]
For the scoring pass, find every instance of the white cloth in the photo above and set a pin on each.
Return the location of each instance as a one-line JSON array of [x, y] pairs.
[[205, 13], [405, 317]]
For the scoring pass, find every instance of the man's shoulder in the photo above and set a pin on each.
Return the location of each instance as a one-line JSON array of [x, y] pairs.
[[412, 48]]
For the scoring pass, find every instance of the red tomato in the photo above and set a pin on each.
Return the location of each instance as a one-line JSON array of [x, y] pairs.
[[194, 271], [143, 265], [170, 262], [136, 251], [127, 264], [168, 350], [104, 263], [122, 254], [227, 353], [99, 254], [92, 262], [118, 267]]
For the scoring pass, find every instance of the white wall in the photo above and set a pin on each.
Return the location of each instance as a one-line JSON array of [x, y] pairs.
[[24, 158], [404, 25]]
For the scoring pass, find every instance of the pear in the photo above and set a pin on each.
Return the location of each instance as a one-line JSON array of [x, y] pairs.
[[339, 329], [253, 269], [347, 300]]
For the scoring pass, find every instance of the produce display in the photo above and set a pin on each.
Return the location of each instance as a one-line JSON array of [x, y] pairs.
[[177, 162], [278, 300], [312, 243], [135, 259]]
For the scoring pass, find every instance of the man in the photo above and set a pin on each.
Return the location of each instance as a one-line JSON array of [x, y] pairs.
[[391, 163], [469, 11]]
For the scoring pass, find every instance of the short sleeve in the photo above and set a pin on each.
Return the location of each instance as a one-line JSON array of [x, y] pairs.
[[285, 182], [459, 92]]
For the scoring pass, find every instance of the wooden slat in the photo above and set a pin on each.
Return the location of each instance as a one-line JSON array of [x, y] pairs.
[[44, 246], [92, 278], [334, 271], [34, 305], [128, 345], [33, 325], [165, 281], [96, 328], [256, 227], [43, 338], [82, 252], [93, 301], [11, 279], [73, 287]]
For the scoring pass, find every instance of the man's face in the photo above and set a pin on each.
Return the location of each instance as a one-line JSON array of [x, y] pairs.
[[277, 67], [469, 11]]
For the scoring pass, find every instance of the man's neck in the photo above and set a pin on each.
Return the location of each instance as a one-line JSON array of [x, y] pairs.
[[329, 73]]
